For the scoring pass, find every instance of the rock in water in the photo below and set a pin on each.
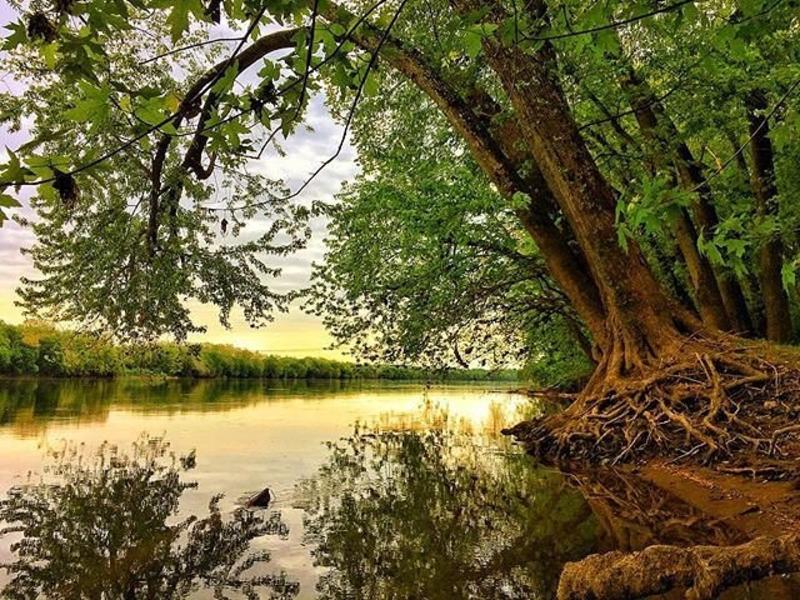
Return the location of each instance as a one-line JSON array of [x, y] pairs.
[[261, 499]]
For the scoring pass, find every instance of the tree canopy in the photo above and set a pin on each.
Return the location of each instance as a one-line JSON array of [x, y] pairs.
[[143, 126], [619, 171]]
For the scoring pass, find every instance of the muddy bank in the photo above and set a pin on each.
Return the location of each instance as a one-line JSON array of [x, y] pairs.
[[688, 532]]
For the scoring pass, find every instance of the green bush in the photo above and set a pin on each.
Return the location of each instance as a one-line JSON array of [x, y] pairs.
[[16, 356]]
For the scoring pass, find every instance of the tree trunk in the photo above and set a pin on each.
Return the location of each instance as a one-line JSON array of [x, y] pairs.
[[641, 321], [705, 215], [770, 254], [719, 298], [706, 292]]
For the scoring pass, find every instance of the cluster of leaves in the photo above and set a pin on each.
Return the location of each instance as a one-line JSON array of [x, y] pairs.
[[426, 262], [110, 84], [113, 252], [401, 279], [702, 66], [105, 526]]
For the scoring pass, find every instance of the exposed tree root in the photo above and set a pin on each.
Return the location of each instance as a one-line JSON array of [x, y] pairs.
[[704, 571], [720, 403]]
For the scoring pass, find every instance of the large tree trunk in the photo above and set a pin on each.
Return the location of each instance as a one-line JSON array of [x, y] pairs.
[[513, 147], [719, 296], [770, 254], [641, 321], [665, 383]]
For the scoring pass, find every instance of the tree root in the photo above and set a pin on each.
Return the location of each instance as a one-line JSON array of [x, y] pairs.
[[704, 571], [716, 403]]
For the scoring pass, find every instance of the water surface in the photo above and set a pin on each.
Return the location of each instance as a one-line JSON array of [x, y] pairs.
[[421, 500]]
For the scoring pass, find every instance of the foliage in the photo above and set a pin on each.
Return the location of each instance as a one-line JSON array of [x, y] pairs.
[[141, 145], [426, 261], [106, 526], [37, 347], [15, 355], [555, 360], [100, 260]]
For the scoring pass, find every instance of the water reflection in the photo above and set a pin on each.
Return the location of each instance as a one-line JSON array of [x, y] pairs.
[[423, 505], [635, 513], [433, 514], [28, 406], [106, 527], [445, 513]]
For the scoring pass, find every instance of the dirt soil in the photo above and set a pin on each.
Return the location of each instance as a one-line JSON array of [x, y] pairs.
[[761, 518]]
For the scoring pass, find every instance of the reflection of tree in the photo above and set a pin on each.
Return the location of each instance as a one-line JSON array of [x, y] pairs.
[[29, 405], [108, 529], [435, 515], [635, 513]]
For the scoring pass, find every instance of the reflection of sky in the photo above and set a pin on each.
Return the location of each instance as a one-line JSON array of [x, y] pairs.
[[292, 333]]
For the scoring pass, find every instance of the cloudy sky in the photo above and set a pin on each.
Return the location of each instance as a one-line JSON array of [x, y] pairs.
[[294, 333]]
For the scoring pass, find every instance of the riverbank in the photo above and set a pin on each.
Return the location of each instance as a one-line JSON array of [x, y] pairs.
[[42, 349], [729, 531]]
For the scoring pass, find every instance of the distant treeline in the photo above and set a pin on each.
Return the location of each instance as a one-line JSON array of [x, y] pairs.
[[41, 349]]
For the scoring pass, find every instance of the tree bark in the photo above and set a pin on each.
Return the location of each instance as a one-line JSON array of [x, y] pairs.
[[765, 190], [641, 321], [710, 289], [703, 571]]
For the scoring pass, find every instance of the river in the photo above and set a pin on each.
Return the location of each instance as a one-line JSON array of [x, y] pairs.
[[381, 490]]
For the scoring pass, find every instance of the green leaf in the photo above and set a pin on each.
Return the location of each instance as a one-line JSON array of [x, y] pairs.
[[152, 111], [225, 83], [473, 43], [18, 35], [94, 106], [474, 36], [14, 172], [520, 200], [372, 84], [7, 201], [788, 276], [178, 19]]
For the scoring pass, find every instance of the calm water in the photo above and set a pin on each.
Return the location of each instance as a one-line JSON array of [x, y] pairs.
[[421, 501]]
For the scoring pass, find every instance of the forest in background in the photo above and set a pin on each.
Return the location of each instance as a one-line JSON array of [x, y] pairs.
[[41, 349]]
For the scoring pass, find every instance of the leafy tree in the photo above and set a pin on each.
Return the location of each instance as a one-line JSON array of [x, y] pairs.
[[425, 261], [37, 347], [515, 82]]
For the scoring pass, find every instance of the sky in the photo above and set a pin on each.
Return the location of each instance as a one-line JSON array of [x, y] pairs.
[[294, 333]]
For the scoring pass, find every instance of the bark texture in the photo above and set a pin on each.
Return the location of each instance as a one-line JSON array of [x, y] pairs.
[[641, 321], [770, 255]]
